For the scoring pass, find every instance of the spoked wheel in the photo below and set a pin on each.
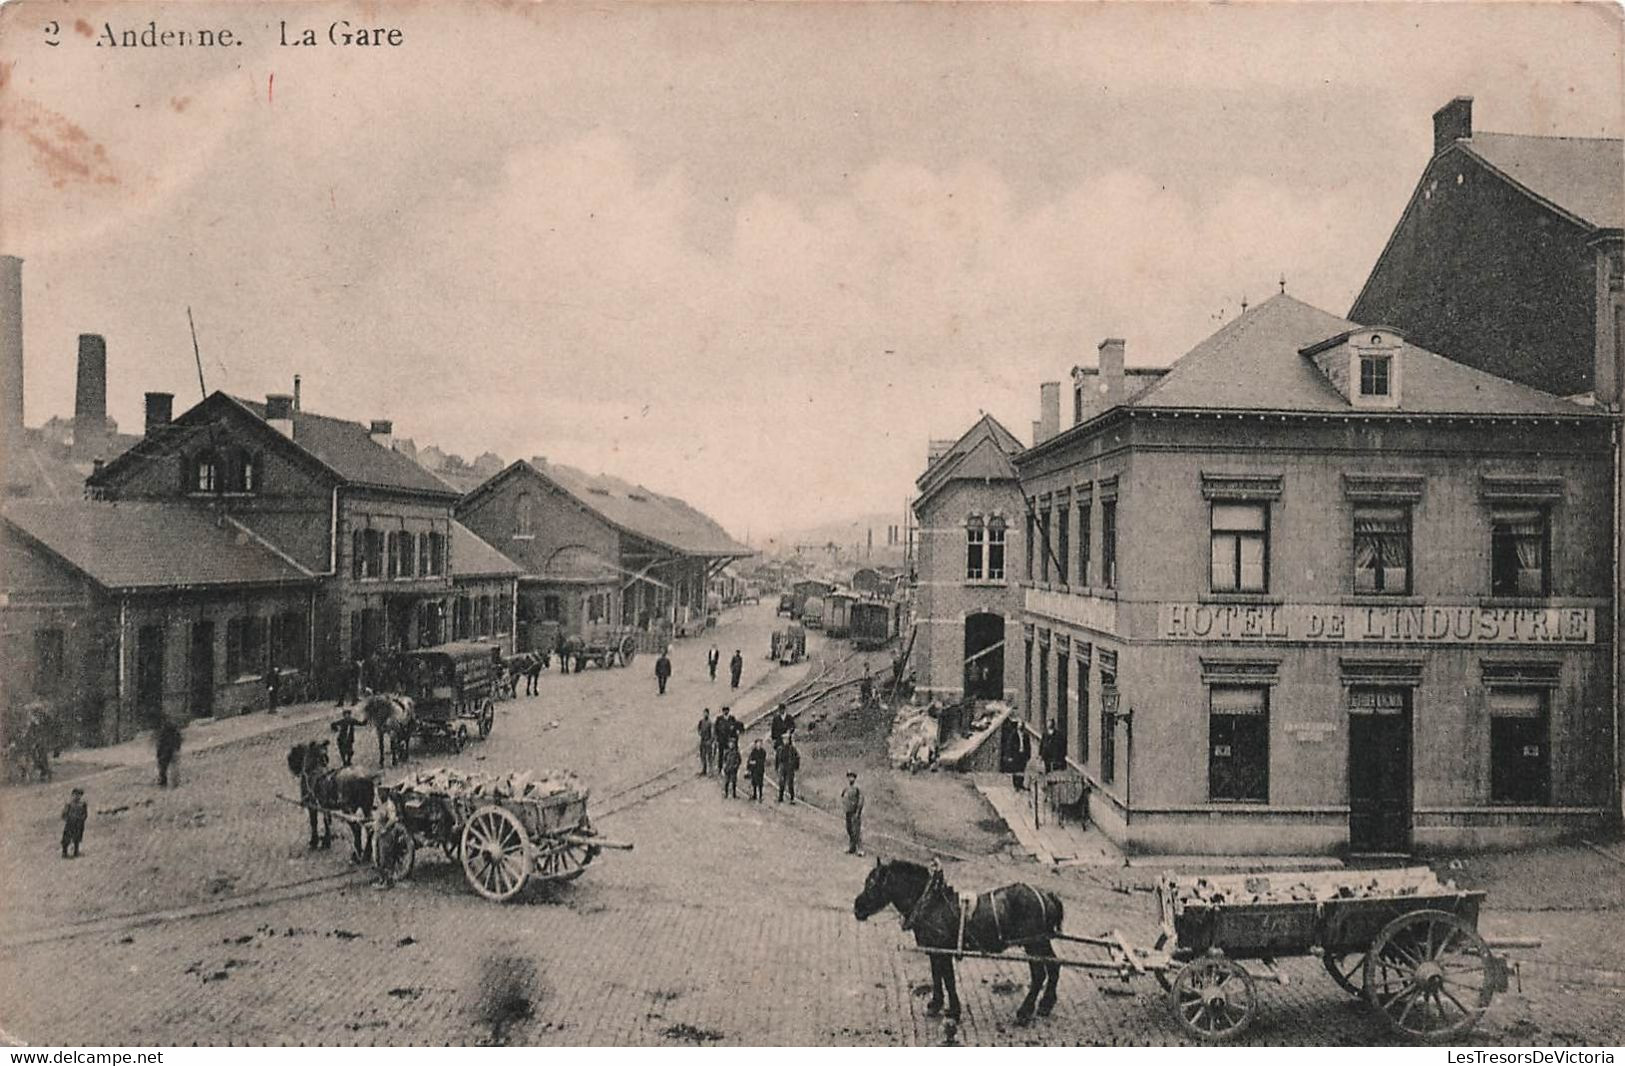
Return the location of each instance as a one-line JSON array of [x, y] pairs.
[[1348, 970], [496, 854], [563, 861], [459, 739], [396, 845], [488, 715], [629, 649], [1214, 999], [1430, 974]]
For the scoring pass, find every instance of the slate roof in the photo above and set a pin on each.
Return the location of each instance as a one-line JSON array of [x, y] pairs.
[[982, 452], [1582, 176], [143, 546], [348, 450], [664, 520], [1255, 363], [471, 556]]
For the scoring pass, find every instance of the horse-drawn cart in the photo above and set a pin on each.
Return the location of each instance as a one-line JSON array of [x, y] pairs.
[[604, 646], [506, 831], [454, 686]]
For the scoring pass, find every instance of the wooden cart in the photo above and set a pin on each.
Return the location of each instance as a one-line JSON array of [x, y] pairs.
[[504, 834], [454, 687]]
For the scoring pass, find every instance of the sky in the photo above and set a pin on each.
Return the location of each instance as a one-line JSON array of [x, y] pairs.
[[750, 255]]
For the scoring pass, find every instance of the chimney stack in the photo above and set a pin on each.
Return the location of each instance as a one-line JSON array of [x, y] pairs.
[[90, 395], [1049, 409], [296, 392], [160, 410], [1111, 372], [279, 412], [382, 432], [11, 346], [1452, 122], [1038, 433]]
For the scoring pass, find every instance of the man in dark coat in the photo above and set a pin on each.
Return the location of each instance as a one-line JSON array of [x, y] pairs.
[[169, 749], [1052, 750], [781, 724], [345, 728], [712, 658], [662, 672], [708, 742], [736, 666], [74, 815], [787, 763], [727, 731], [756, 769], [730, 772], [1015, 749]]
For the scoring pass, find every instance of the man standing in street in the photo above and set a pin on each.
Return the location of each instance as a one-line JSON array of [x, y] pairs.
[[1052, 750], [712, 658], [74, 815], [787, 763], [736, 666], [852, 805], [730, 772], [782, 723], [662, 672], [169, 749], [708, 742], [756, 769], [727, 732], [345, 728]]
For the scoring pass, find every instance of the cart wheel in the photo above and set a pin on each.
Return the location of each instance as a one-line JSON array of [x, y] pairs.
[[496, 853], [459, 739], [397, 842], [1214, 999], [1430, 974], [488, 715], [564, 861], [1165, 977], [1348, 970], [629, 649]]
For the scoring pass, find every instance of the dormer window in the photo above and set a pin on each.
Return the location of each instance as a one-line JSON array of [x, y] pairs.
[[1375, 373]]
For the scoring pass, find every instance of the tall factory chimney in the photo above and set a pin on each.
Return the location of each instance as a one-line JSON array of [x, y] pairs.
[[11, 346], [90, 396]]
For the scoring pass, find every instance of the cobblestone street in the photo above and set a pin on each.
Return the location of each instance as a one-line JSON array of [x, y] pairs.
[[730, 923]]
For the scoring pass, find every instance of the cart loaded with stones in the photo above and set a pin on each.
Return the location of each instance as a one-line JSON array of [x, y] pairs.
[[507, 830]]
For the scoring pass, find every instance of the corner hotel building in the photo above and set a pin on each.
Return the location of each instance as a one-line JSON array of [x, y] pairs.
[[1315, 589]]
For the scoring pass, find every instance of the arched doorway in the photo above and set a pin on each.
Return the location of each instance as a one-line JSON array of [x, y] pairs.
[[984, 657]]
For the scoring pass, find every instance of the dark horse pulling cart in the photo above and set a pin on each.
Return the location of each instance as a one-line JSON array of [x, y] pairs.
[[1400, 939], [454, 685]]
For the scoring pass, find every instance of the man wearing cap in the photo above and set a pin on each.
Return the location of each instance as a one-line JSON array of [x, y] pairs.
[[708, 742], [345, 728], [74, 814], [852, 804], [787, 762]]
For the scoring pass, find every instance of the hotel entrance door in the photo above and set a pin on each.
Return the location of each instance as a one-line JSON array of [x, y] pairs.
[[1379, 771]]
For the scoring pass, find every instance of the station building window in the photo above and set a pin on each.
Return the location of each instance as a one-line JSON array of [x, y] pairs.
[[1238, 768], [1108, 716], [1085, 664], [525, 515], [1027, 682], [1085, 531], [1045, 550], [1240, 547], [995, 549], [205, 473], [975, 548], [288, 640], [245, 647], [1382, 550], [246, 475], [1519, 552], [1063, 540], [552, 609], [1520, 739], [1030, 547]]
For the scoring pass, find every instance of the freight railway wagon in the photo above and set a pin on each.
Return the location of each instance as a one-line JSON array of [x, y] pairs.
[[838, 614], [875, 623]]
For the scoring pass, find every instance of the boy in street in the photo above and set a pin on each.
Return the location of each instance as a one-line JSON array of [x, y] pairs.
[[852, 805], [787, 763], [708, 742], [756, 769], [345, 728], [730, 772], [74, 815]]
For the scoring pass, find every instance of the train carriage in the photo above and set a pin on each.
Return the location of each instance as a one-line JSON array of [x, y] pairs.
[[838, 614], [874, 623]]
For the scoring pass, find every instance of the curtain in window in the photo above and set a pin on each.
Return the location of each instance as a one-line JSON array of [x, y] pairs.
[[1381, 549]]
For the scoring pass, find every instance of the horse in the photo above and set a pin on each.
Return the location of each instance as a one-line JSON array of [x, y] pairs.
[[323, 790], [1017, 915], [394, 715]]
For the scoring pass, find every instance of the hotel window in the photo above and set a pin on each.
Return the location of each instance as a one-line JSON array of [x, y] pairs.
[[1027, 683], [1085, 655], [1030, 546], [524, 517], [1085, 531], [1043, 683], [432, 555], [1382, 550], [394, 570], [206, 473], [1518, 553], [1108, 544], [49, 661], [1063, 540], [995, 549], [1238, 766], [1374, 374], [409, 553], [1520, 755], [975, 544], [374, 540], [1240, 547], [1108, 717], [358, 554], [1044, 545]]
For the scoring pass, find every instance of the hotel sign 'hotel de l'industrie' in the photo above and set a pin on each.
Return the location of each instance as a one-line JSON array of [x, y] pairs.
[[1337, 623]]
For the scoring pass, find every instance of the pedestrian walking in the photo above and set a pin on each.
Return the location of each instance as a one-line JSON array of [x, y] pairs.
[[169, 750], [1052, 749], [852, 806], [74, 816], [345, 727], [662, 672], [712, 658], [736, 666], [787, 763], [730, 772], [756, 769], [708, 742]]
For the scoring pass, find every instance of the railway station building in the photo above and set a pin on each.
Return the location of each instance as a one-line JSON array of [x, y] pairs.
[[1328, 592], [967, 597]]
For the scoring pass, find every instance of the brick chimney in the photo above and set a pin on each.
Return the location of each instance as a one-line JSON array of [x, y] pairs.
[[160, 410], [279, 412], [11, 345], [382, 432], [296, 392], [1452, 122], [1111, 372], [1049, 409], [90, 396]]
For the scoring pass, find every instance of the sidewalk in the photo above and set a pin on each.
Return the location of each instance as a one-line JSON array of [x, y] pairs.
[[1050, 842]]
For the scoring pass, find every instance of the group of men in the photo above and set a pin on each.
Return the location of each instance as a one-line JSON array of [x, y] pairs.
[[713, 659]]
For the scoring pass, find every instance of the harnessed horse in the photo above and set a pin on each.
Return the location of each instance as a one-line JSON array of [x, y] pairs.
[[323, 790], [394, 715], [1017, 915]]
